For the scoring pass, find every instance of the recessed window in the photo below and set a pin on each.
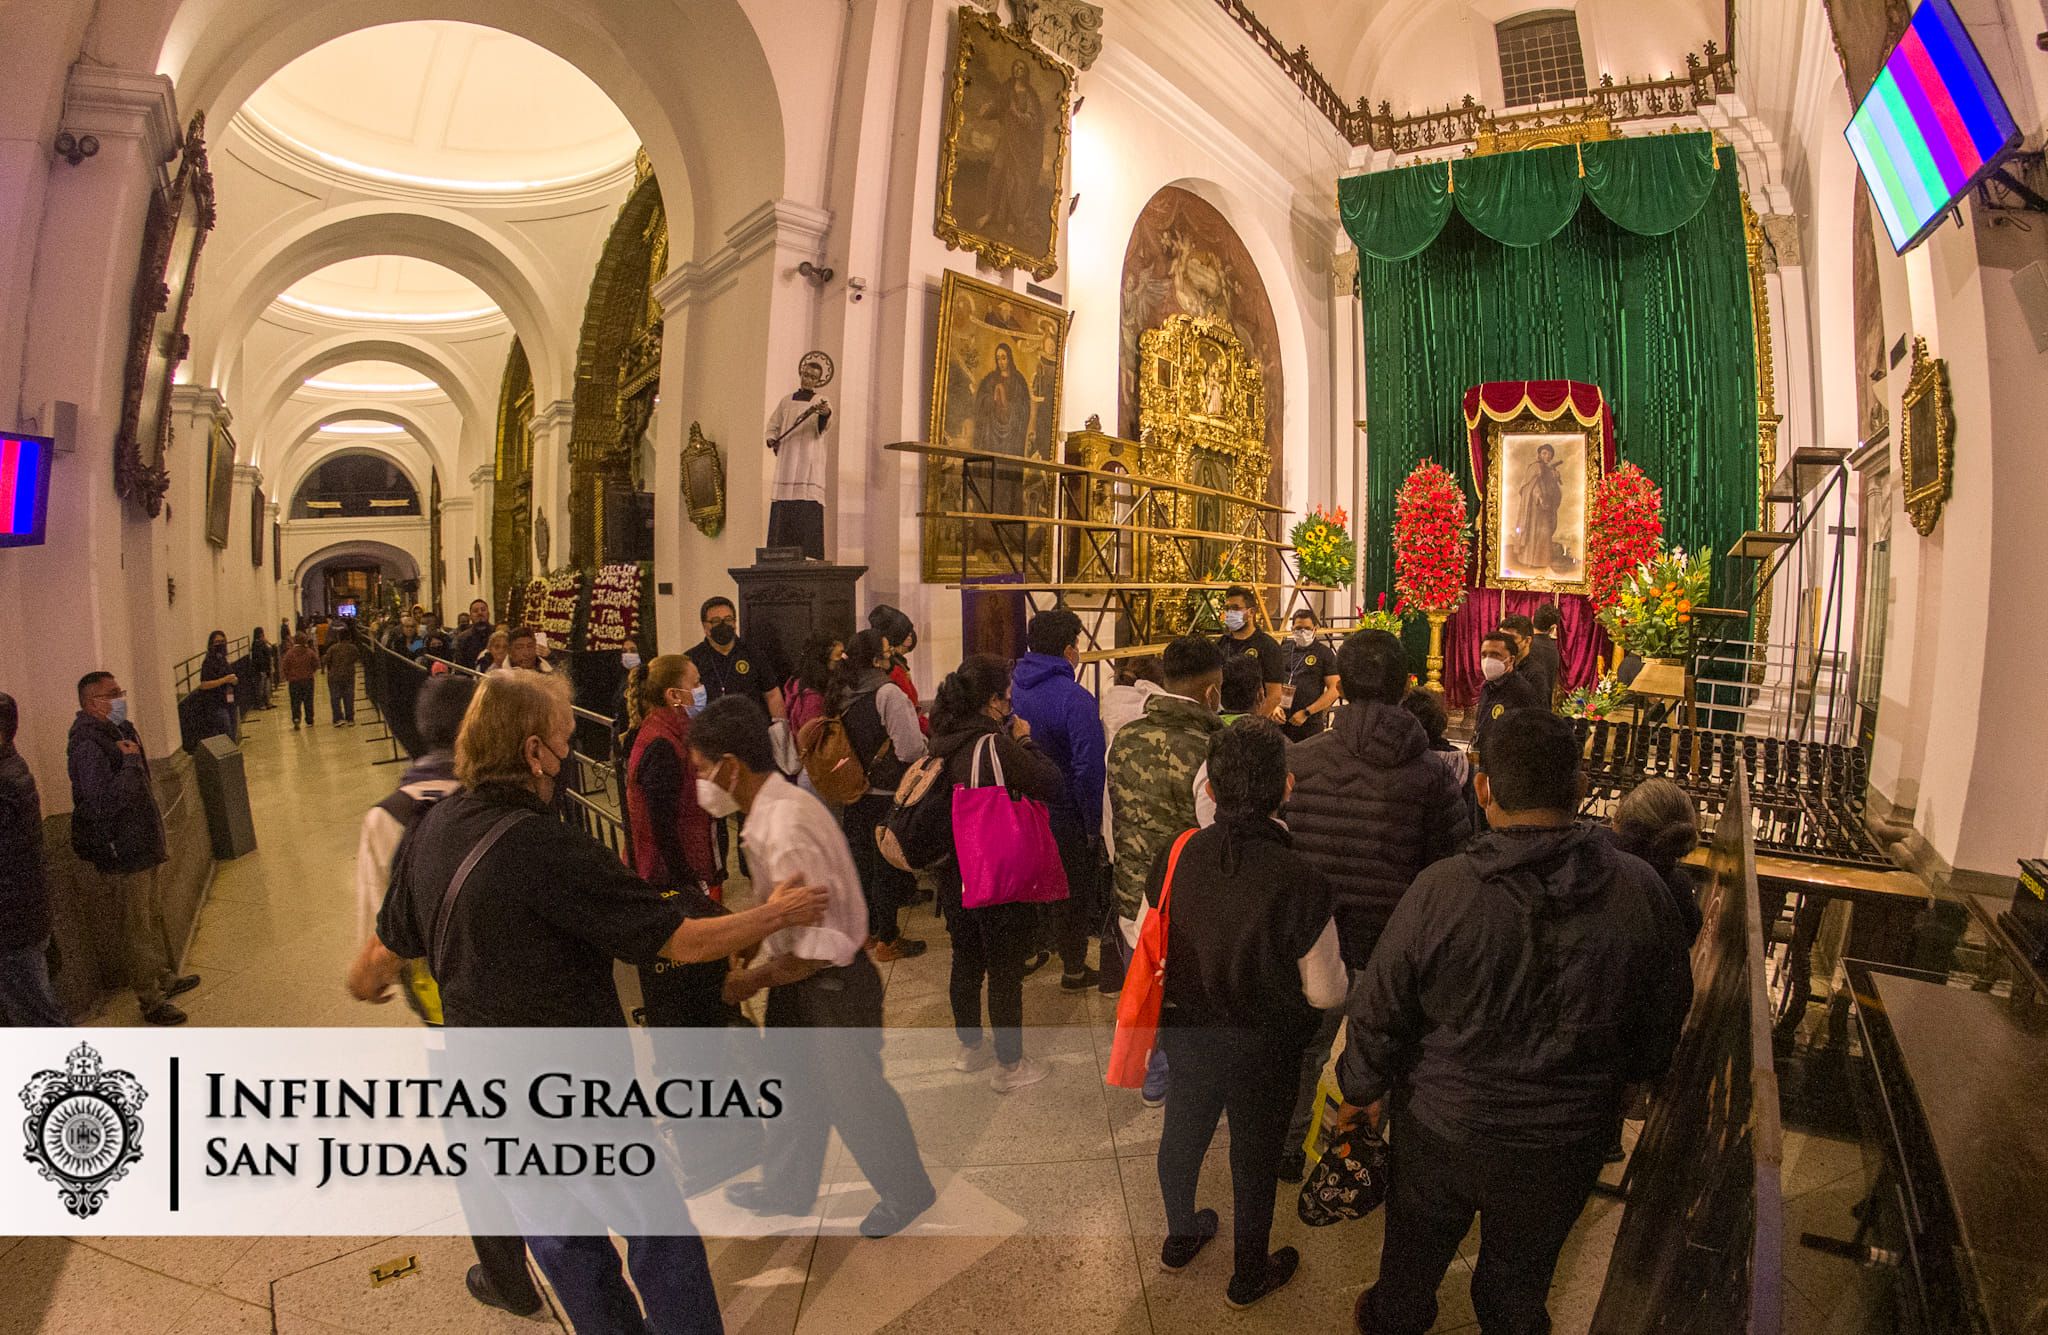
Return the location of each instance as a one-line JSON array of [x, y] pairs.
[[1540, 58]]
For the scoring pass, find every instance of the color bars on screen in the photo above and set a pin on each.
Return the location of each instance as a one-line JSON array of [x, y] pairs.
[[24, 488], [1931, 127]]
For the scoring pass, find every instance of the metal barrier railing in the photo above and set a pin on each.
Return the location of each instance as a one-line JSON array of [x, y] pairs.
[[186, 673], [589, 767]]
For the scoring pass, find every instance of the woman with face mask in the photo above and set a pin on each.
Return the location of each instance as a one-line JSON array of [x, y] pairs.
[[218, 680], [536, 913]]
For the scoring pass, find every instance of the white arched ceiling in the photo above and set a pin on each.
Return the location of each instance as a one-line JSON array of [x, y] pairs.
[[405, 349], [691, 78], [486, 255], [399, 559], [303, 449]]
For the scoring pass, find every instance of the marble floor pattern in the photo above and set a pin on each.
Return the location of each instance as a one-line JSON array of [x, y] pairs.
[[1064, 1168]]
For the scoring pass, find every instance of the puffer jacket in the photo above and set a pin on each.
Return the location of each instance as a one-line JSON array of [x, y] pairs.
[[1371, 808], [1152, 768], [1066, 723], [1518, 988]]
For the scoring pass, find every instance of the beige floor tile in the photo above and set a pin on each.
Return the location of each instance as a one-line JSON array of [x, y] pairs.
[[340, 1293], [760, 1281], [201, 1261], [960, 1120], [269, 1259], [58, 1286], [218, 1314], [1063, 1257]]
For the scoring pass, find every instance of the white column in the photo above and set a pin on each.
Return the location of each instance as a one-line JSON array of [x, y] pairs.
[[97, 571], [551, 481], [483, 485]]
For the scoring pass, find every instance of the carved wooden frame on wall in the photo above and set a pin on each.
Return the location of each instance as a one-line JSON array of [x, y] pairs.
[[220, 483], [1927, 450], [257, 505], [703, 483], [180, 216], [980, 34], [1583, 441]]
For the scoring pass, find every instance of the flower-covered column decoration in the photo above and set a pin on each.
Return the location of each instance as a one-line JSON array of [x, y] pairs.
[[1625, 528], [1432, 553]]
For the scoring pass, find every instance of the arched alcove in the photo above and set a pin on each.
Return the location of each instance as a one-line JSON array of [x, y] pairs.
[[512, 474], [354, 484], [411, 351]]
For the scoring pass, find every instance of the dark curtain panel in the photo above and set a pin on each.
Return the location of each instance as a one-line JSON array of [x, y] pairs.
[[1661, 324]]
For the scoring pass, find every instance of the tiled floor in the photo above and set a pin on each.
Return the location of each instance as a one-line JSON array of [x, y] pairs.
[[1049, 1196]]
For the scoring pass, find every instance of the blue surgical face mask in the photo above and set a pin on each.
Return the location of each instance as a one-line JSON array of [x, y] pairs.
[[117, 713], [629, 661], [698, 699], [1233, 619]]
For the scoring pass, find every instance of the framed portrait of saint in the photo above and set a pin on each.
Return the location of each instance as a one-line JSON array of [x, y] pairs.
[[220, 484], [257, 503], [1003, 151], [1539, 479], [1927, 450], [995, 391]]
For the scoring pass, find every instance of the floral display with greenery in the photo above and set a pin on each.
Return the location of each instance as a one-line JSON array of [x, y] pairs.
[[1624, 528], [1432, 541], [1324, 550], [1383, 617], [1653, 616], [1595, 702]]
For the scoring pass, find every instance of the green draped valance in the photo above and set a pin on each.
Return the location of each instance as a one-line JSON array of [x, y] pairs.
[[1649, 186]]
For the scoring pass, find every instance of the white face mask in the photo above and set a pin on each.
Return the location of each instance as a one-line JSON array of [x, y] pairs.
[[1304, 637], [1493, 668], [716, 802], [1234, 619], [629, 660]]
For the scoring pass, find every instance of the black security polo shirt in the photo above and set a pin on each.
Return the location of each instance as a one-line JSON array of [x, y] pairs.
[[1272, 658], [1306, 671], [536, 925], [744, 671]]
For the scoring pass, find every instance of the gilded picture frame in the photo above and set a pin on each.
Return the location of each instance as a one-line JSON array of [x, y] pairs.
[[1520, 515], [257, 505], [703, 483], [173, 236], [999, 355], [1003, 149], [1927, 450], [220, 484]]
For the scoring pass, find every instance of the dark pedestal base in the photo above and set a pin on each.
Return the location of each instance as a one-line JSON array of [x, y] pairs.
[[784, 600]]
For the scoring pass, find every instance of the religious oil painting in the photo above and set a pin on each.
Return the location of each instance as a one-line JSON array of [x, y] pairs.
[[220, 484], [1536, 494], [1003, 155], [995, 390]]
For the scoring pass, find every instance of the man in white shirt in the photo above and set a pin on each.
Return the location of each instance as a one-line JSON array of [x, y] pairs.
[[822, 987], [796, 437]]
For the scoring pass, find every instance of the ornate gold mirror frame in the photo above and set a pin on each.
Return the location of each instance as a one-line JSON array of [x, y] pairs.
[[703, 483], [1927, 451], [1563, 433], [179, 219]]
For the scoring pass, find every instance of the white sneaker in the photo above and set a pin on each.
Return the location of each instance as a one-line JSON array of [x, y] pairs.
[[976, 1058], [1025, 1072]]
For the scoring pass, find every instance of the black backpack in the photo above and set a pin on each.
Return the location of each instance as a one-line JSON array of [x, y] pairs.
[[917, 834]]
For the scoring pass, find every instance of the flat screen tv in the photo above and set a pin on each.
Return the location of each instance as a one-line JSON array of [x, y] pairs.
[[1931, 127], [24, 489]]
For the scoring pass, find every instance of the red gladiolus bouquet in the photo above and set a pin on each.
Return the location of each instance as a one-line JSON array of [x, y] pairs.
[[1625, 528], [1432, 548]]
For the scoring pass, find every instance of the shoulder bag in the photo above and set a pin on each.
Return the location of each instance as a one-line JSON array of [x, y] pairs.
[[1144, 994], [1005, 844]]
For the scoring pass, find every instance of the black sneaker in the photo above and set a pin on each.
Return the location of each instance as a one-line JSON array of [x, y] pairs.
[[178, 987], [1036, 962], [1280, 1268], [1080, 982], [1293, 1166], [163, 1013], [480, 1287], [1179, 1252]]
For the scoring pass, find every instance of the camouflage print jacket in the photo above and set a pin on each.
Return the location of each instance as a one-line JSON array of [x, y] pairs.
[[1152, 768]]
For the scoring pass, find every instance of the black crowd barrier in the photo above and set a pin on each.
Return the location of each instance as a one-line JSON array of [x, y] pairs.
[[1698, 1252], [393, 682]]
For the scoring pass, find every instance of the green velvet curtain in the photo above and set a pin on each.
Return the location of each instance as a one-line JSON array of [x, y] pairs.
[[1661, 323], [1402, 211]]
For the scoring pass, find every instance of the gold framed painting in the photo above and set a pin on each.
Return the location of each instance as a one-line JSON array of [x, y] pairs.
[[995, 390], [179, 219], [220, 484], [1003, 152], [1539, 481], [1927, 448], [703, 483]]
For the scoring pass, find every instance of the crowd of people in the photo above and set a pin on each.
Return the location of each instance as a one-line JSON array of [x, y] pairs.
[[1326, 862]]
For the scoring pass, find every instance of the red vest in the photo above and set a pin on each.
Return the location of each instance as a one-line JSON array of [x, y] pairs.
[[693, 827]]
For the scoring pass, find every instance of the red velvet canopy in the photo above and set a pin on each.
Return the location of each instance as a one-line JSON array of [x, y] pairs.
[[1546, 401]]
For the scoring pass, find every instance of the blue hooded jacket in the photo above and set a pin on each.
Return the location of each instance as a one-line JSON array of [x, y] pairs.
[[1066, 724]]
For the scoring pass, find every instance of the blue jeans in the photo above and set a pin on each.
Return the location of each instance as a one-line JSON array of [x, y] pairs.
[[26, 999], [672, 1273]]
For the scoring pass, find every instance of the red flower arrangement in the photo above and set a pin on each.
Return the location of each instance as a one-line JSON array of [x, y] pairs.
[[1432, 549], [1625, 527]]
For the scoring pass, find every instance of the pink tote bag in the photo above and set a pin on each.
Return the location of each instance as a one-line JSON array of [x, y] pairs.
[[1007, 854]]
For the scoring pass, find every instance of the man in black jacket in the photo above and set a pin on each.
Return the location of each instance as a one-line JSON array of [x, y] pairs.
[[115, 826], [1371, 808], [1518, 989], [471, 640], [25, 996]]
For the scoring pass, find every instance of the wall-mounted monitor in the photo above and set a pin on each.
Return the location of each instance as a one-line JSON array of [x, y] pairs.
[[24, 489], [1931, 127]]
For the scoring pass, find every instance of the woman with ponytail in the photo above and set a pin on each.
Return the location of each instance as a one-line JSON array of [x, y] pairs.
[[989, 943]]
